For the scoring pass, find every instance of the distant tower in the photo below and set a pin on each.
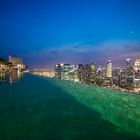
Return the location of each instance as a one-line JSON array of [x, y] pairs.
[[80, 71], [128, 63], [99, 69], [58, 71], [109, 69], [92, 73], [137, 65], [75, 73], [129, 68], [65, 73], [99, 76]]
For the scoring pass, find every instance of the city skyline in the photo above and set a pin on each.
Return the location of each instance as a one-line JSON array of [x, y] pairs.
[[19, 60], [45, 33]]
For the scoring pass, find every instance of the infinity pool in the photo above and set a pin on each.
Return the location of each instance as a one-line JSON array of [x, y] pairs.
[[37, 108]]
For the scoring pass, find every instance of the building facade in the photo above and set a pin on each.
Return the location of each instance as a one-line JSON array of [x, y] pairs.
[[92, 74], [2, 64], [109, 69], [15, 60], [137, 65]]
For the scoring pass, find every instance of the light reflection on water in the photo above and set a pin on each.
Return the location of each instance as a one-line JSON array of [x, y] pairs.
[[11, 77], [2, 77]]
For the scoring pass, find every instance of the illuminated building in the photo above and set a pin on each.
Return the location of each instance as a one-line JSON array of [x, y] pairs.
[[62, 71], [116, 76], [83, 74], [128, 63], [137, 65], [99, 69], [107, 80], [58, 71], [65, 74], [129, 71], [17, 63], [87, 73], [109, 69], [137, 84], [99, 78], [80, 68], [137, 75], [2, 64], [137, 69], [92, 74], [125, 79], [44, 72], [15, 60], [127, 76], [74, 73]]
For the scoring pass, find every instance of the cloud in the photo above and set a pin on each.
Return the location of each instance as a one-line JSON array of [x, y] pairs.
[[81, 52]]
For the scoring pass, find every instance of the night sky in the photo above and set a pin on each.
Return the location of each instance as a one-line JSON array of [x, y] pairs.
[[48, 32]]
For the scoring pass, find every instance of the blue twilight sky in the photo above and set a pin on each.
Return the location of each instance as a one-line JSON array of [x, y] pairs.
[[47, 32]]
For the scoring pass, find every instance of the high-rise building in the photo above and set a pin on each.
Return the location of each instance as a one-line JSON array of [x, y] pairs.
[[99, 78], [92, 74], [87, 73], [58, 71], [65, 71], [137, 74], [83, 74], [129, 69], [109, 69], [107, 79], [74, 73], [128, 63], [127, 76], [99, 69], [116, 76], [80, 67], [137, 65]]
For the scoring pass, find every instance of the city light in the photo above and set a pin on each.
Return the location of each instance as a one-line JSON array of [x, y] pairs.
[[124, 79]]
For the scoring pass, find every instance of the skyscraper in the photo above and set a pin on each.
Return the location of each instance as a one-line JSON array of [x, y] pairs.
[[83, 74], [58, 71], [137, 74], [80, 67], [65, 71], [129, 69], [87, 73], [74, 73], [128, 63], [109, 69], [99, 77], [92, 74], [107, 78], [137, 65], [127, 76]]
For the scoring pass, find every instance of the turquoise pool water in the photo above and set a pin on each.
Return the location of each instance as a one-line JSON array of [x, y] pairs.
[[37, 108]]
